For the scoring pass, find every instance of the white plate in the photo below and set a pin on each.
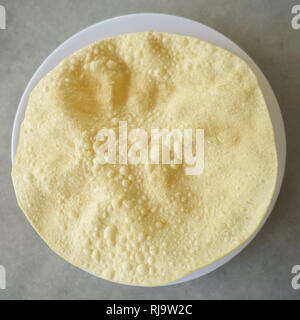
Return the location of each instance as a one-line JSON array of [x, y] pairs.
[[172, 24]]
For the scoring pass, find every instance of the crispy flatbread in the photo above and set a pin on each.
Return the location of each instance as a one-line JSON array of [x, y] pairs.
[[145, 224]]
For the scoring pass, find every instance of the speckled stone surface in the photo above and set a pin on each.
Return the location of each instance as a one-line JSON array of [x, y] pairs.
[[263, 29]]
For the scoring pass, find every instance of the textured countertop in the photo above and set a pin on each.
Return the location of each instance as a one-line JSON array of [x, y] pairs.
[[263, 29]]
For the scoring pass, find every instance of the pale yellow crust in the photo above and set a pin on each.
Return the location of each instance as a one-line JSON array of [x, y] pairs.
[[146, 224]]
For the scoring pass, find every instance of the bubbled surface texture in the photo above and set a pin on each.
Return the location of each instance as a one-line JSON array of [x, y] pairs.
[[145, 224]]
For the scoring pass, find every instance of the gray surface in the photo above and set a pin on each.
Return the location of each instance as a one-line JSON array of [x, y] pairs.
[[262, 28]]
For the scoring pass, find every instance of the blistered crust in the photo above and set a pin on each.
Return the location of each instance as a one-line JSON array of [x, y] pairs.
[[145, 224]]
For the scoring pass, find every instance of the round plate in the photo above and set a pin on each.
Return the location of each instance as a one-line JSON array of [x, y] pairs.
[[171, 24]]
